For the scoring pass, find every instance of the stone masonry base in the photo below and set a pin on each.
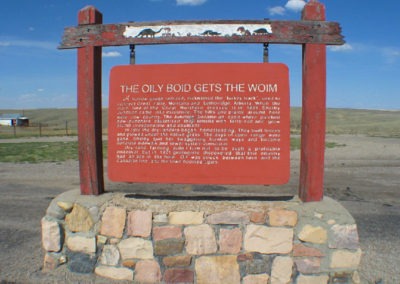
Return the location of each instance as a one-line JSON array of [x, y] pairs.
[[203, 241]]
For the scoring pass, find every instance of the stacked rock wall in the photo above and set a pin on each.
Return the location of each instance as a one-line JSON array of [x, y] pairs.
[[181, 241]]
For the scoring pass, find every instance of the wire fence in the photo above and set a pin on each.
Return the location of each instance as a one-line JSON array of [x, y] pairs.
[[38, 129]]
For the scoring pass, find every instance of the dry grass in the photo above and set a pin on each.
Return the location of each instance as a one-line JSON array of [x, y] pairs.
[[357, 122], [59, 122]]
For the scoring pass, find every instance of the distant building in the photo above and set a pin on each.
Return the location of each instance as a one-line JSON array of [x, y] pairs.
[[11, 119]]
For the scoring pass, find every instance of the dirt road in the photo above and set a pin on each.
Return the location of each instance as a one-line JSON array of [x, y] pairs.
[[363, 175]]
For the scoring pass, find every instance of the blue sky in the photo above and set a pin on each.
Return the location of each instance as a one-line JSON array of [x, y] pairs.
[[364, 73]]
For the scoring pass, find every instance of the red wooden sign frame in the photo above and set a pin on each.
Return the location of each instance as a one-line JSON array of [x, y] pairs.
[[92, 35]]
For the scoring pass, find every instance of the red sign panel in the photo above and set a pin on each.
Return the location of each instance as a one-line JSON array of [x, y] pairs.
[[199, 123]]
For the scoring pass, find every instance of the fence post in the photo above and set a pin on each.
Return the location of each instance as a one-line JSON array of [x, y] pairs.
[[311, 187], [89, 110]]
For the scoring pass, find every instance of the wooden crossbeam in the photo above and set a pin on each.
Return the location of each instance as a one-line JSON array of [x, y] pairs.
[[174, 32]]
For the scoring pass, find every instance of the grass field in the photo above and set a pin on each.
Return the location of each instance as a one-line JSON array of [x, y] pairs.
[[339, 121], [38, 152], [355, 121]]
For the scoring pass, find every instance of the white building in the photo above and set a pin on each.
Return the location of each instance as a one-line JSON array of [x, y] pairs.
[[11, 119]]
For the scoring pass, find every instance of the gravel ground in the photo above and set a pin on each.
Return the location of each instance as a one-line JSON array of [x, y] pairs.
[[363, 176]]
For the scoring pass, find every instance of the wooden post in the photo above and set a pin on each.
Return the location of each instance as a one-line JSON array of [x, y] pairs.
[[311, 186], [89, 110]]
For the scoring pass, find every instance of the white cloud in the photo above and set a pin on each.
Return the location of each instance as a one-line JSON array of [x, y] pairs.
[[42, 100], [291, 5], [390, 51], [29, 43], [390, 54], [277, 10], [341, 48], [190, 2], [28, 97], [111, 54], [295, 5]]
